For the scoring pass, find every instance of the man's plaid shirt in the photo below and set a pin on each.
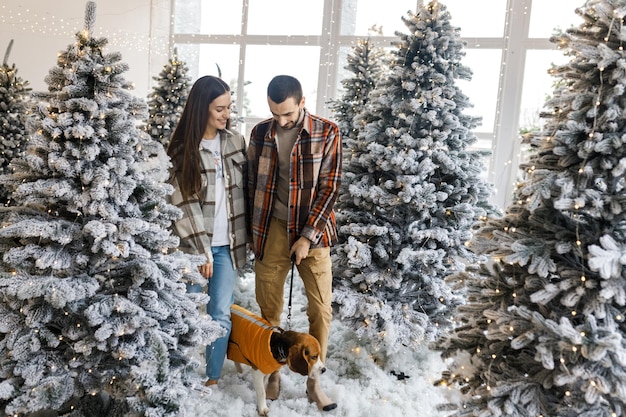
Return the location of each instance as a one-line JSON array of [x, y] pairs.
[[313, 187]]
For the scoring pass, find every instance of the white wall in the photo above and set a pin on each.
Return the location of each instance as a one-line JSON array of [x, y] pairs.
[[138, 29]]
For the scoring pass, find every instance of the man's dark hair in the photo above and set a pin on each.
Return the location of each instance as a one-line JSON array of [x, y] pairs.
[[282, 87]]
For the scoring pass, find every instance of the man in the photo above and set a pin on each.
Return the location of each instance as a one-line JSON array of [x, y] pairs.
[[294, 166]]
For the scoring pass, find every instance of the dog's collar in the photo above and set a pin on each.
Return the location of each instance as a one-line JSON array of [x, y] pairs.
[[282, 355]]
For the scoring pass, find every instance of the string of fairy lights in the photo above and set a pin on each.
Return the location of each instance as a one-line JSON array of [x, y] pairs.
[[65, 60], [59, 27], [593, 133], [16, 20]]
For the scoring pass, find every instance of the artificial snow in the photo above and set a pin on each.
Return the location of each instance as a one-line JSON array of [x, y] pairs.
[[359, 385]]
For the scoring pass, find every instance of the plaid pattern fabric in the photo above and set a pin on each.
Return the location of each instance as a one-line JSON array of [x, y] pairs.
[[313, 186], [195, 228]]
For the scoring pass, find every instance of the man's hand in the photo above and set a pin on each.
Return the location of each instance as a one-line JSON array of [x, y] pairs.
[[300, 249]]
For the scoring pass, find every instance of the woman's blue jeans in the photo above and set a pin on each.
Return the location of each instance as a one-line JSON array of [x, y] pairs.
[[220, 287]]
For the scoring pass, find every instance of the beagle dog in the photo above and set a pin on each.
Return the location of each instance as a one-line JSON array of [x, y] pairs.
[[254, 341]]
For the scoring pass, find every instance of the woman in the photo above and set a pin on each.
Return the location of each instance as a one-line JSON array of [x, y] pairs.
[[209, 177]]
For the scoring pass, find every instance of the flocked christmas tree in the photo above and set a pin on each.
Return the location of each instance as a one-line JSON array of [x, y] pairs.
[[95, 319], [365, 62], [411, 191], [543, 331], [167, 100], [14, 109]]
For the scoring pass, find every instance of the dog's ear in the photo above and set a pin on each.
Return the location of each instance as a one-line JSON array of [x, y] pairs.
[[297, 359]]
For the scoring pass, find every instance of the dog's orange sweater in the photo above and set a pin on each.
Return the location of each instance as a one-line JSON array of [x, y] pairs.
[[249, 341]]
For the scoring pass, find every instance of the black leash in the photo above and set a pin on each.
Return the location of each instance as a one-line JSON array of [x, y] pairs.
[[293, 264]]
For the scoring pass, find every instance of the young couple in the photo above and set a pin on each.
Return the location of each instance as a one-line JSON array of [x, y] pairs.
[[290, 171]]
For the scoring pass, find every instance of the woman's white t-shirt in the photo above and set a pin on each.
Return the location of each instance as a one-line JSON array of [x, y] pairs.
[[220, 221]]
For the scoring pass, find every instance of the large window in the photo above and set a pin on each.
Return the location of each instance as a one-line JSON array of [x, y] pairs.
[[247, 42]]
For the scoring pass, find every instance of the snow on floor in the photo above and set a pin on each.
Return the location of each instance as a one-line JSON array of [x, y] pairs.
[[358, 385]]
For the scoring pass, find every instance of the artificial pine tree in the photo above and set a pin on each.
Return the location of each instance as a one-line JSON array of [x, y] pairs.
[[543, 331], [95, 319], [167, 100], [14, 109], [412, 192], [366, 63]]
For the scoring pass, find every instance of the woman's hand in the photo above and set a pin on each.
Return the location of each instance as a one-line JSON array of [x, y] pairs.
[[206, 270]]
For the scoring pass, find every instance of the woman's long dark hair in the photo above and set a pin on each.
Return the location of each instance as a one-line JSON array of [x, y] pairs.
[[184, 147]]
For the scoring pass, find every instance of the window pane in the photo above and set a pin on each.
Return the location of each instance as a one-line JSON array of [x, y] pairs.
[[211, 59], [538, 85], [263, 62], [284, 17], [210, 17], [546, 16], [463, 14], [221, 17], [482, 90], [342, 72], [186, 16], [357, 16], [189, 53]]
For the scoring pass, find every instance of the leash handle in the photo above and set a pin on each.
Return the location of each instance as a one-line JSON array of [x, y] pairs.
[[293, 265]]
